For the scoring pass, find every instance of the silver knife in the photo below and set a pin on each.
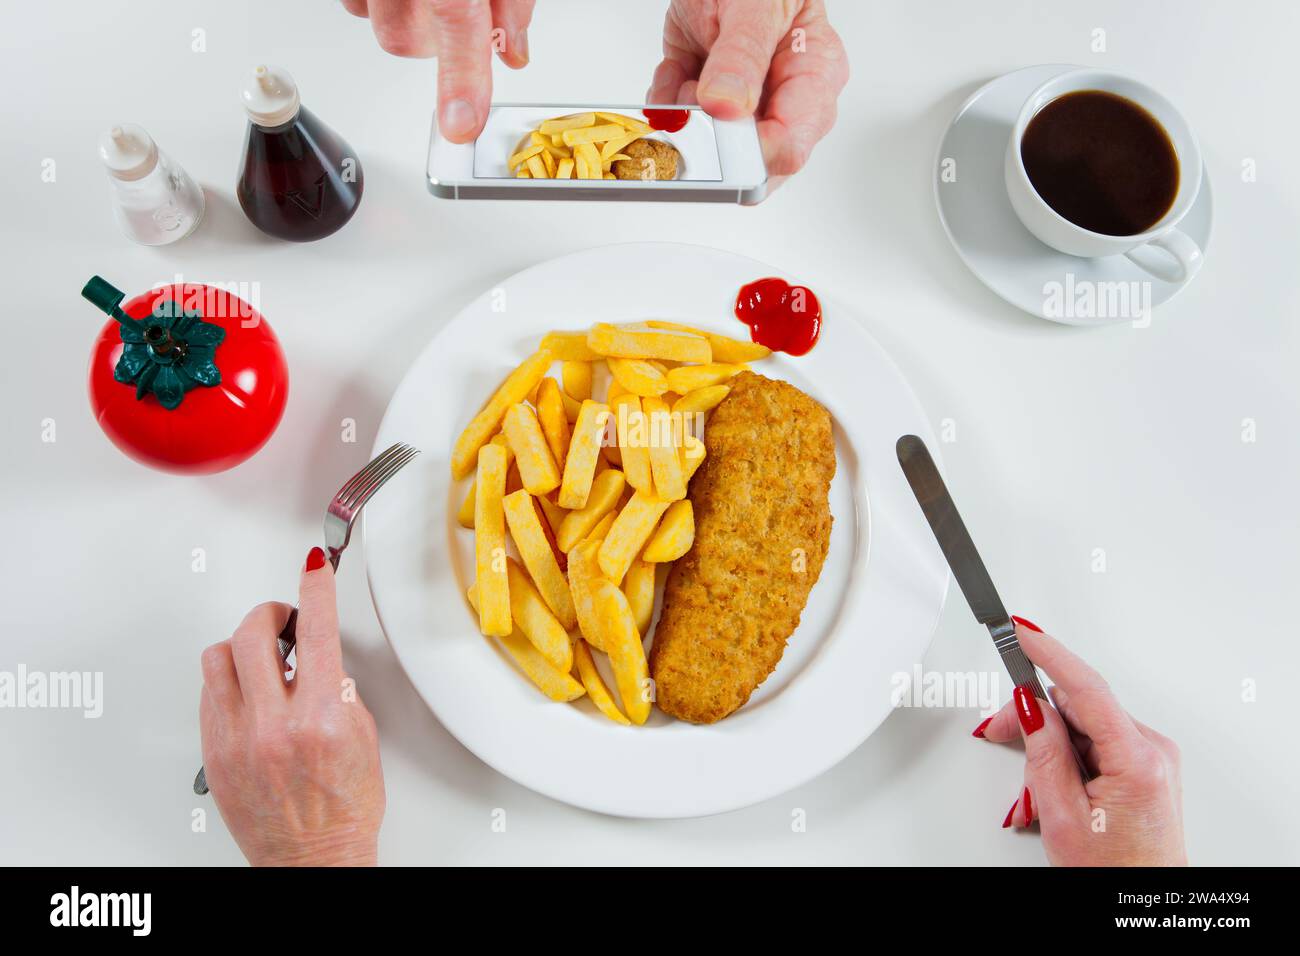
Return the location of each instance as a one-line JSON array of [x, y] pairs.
[[967, 566]]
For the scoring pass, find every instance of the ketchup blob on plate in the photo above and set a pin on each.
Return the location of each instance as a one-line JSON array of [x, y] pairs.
[[668, 121], [786, 318]]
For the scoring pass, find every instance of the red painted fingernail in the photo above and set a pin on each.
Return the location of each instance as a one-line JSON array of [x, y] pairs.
[[315, 559], [1029, 808], [979, 731], [1027, 709], [1010, 813], [1027, 623]]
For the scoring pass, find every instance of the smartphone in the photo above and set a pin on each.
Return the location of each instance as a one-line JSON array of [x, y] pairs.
[[692, 157]]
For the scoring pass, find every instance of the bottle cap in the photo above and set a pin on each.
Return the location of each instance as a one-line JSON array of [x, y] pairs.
[[269, 96], [128, 152]]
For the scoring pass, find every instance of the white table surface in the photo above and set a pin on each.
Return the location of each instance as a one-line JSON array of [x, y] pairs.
[[1123, 439]]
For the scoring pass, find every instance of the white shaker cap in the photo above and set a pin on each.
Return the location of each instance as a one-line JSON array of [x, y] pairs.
[[269, 96], [128, 152]]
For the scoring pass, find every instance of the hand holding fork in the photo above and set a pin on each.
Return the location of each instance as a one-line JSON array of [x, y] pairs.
[[297, 763]]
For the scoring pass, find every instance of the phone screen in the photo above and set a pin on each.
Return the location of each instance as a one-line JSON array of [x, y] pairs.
[[686, 149]]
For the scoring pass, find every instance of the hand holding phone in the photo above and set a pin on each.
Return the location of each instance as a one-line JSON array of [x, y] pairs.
[[661, 153]]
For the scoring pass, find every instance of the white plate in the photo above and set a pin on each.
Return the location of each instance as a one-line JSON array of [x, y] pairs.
[[977, 215], [870, 616]]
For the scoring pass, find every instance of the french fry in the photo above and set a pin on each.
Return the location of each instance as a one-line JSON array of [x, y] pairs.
[[536, 168], [553, 682], [665, 464], [629, 533], [573, 121], [692, 456], [614, 390], [555, 515], [633, 342], [700, 400], [513, 481], [465, 513], [628, 492], [548, 160], [561, 558], [483, 425], [615, 146], [572, 407], [687, 378], [633, 442], [584, 450], [599, 532], [725, 348], [539, 559], [524, 155], [584, 570], [592, 134], [534, 618], [612, 455], [465, 516], [551, 416], [627, 122], [523, 173], [673, 537], [490, 542], [537, 468], [639, 586], [606, 489], [564, 168], [577, 379], [623, 644], [587, 161], [568, 347], [638, 376], [597, 692]]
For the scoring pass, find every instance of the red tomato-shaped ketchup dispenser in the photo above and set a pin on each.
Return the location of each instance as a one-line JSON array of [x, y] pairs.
[[187, 378]]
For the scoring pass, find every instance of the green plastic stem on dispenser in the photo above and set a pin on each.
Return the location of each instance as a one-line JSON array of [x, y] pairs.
[[164, 355]]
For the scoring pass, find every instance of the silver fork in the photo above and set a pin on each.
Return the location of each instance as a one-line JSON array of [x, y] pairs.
[[339, 518]]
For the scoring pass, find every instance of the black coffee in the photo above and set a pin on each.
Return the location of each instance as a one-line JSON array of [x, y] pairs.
[[1101, 161]]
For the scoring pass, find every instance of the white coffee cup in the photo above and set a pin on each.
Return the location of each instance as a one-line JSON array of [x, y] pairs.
[[1162, 250]]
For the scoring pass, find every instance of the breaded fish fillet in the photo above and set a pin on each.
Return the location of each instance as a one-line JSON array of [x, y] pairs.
[[762, 527]]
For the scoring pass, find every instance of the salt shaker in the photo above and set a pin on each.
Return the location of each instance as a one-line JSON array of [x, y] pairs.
[[155, 200]]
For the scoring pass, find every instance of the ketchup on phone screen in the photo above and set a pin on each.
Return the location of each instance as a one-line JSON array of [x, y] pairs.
[[783, 317], [667, 121]]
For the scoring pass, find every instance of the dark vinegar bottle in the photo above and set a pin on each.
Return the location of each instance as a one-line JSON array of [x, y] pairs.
[[300, 180]]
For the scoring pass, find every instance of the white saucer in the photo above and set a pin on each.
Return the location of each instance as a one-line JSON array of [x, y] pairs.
[[978, 217]]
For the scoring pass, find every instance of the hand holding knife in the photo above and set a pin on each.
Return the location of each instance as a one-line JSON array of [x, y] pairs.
[[967, 566]]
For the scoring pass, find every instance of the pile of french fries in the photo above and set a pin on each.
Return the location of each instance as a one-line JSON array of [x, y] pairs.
[[593, 494], [578, 146]]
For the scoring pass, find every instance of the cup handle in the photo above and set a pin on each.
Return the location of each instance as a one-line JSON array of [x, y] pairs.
[[1179, 265]]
